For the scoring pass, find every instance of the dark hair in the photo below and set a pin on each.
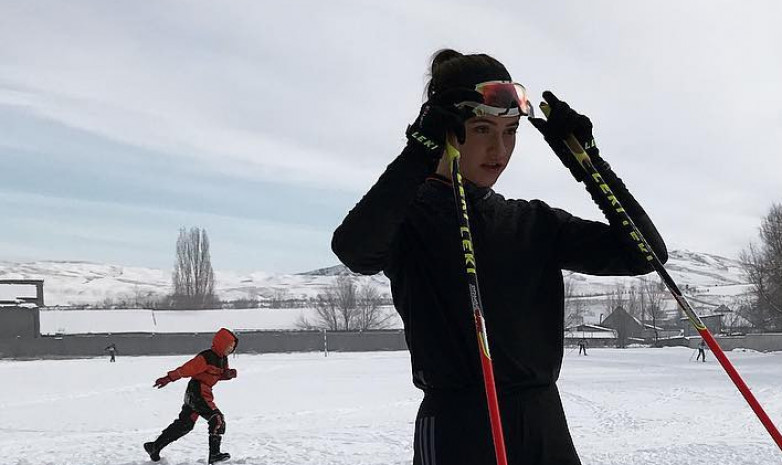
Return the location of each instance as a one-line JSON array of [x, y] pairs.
[[452, 69]]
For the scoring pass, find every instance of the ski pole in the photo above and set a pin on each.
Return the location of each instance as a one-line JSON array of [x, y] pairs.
[[477, 307], [642, 246]]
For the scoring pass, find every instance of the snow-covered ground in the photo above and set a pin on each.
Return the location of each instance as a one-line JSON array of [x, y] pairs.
[[179, 321], [633, 406]]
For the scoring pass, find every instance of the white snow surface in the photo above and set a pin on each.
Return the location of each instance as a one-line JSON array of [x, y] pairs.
[[631, 406], [178, 321]]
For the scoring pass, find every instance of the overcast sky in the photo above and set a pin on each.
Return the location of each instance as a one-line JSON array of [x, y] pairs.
[[264, 122]]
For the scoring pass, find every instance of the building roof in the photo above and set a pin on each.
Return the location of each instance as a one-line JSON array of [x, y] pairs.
[[585, 327], [590, 332], [704, 317]]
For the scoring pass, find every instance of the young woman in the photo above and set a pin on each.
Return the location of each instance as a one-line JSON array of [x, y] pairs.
[[204, 371], [406, 226]]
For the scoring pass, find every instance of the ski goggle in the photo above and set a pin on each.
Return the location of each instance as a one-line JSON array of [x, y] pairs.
[[500, 98]]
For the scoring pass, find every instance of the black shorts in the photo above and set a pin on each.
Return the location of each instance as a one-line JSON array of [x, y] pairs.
[[454, 429]]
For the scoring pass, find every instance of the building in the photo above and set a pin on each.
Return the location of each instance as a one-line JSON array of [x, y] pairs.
[[595, 336], [712, 322], [628, 328], [20, 300]]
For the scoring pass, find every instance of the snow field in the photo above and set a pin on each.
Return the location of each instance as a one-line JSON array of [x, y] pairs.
[[633, 406]]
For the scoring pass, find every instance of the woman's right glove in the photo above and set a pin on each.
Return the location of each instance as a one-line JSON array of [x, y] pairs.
[[439, 116]]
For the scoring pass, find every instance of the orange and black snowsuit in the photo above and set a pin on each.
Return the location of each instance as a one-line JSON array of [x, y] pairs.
[[204, 371]]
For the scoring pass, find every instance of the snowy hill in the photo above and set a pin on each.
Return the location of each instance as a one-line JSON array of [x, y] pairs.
[[707, 273], [710, 278], [75, 283], [336, 270]]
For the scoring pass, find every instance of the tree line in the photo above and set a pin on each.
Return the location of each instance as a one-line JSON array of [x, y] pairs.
[[649, 301]]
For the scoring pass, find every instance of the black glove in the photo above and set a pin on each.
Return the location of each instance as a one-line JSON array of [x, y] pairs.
[[561, 122], [439, 116]]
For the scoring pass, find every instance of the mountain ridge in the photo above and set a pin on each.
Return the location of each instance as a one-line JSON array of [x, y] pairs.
[[81, 282]]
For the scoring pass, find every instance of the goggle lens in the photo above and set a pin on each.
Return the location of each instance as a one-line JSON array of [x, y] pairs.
[[501, 98]]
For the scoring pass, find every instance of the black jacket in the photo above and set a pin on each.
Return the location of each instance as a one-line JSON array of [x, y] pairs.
[[406, 226]]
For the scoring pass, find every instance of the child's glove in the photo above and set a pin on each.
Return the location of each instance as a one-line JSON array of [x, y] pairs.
[[161, 382]]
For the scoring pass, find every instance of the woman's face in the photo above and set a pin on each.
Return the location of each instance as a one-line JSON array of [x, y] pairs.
[[487, 149]]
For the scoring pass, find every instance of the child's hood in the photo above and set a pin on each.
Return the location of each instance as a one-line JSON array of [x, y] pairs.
[[222, 339]]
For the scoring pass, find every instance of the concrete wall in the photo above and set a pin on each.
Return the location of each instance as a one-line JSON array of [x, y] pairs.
[[759, 342], [91, 345], [768, 342], [19, 322]]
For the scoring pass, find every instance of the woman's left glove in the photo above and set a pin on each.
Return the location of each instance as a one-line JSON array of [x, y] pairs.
[[439, 116], [561, 122]]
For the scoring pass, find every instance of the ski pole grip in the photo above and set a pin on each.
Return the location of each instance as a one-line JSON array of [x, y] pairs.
[[450, 151], [571, 142]]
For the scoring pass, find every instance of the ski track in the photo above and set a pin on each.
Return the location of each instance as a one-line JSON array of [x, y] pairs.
[[635, 406]]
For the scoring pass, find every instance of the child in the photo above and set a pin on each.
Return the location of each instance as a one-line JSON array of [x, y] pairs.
[[205, 370]]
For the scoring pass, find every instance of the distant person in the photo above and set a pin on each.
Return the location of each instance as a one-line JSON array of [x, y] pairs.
[[205, 370], [582, 346], [112, 349], [701, 351]]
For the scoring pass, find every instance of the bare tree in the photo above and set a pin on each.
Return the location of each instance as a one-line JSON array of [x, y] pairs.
[[615, 298], [193, 276], [634, 301], [345, 294], [653, 302], [370, 313], [575, 307], [135, 299], [345, 307], [731, 319], [327, 313], [763, 265], [280, 298]]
